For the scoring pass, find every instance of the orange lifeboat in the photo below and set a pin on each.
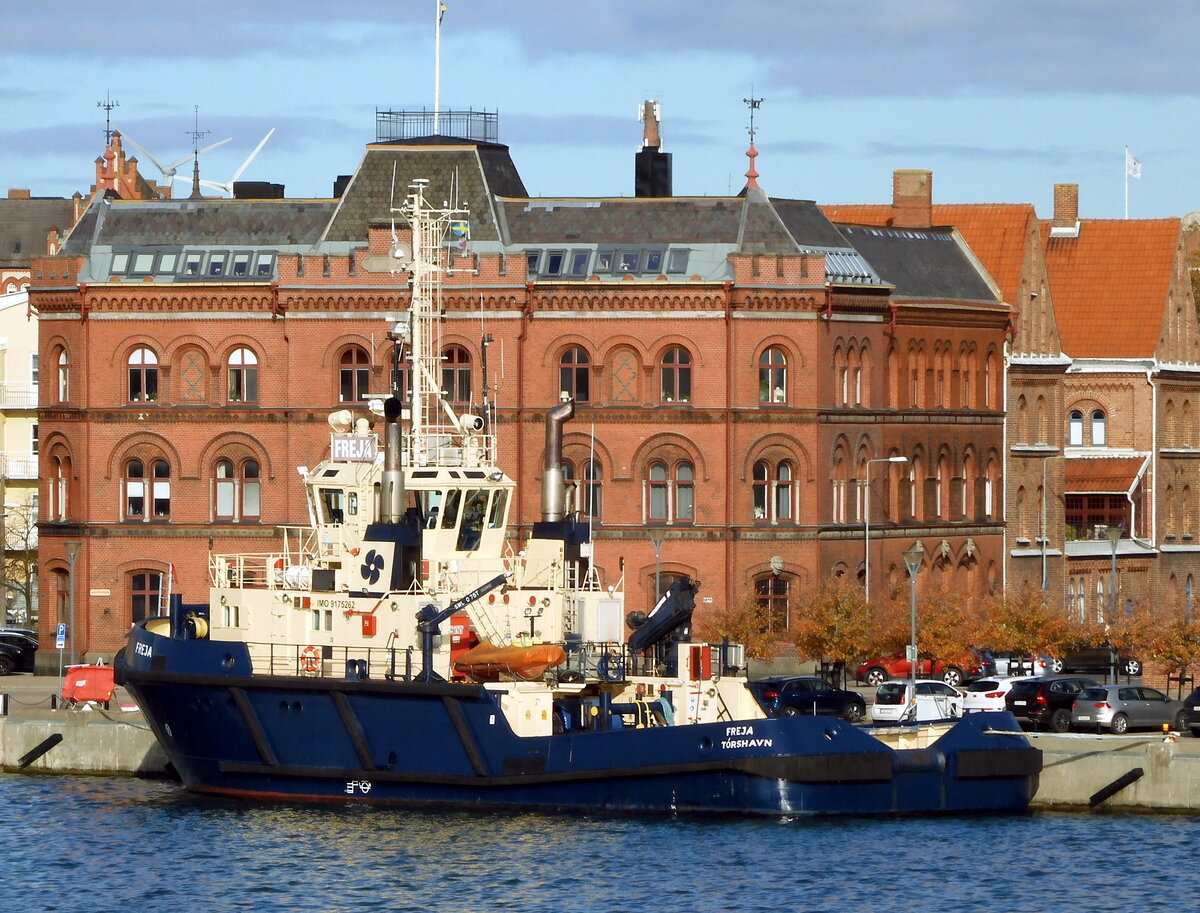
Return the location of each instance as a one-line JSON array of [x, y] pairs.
[[486, 662]]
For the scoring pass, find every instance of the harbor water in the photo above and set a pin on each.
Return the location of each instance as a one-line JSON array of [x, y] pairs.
[[102, 845]]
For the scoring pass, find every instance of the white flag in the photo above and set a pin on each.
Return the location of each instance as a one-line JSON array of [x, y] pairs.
[[1133, 167]]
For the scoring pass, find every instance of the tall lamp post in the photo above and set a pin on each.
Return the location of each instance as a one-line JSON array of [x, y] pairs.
[[72, 548], [912, 561], [1114, 537], [657, 534], [867, 520], [1044, 537]]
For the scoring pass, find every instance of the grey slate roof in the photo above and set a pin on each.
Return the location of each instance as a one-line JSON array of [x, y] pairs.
[[925, 263], [25, 224], [482, 171], [623, 220]]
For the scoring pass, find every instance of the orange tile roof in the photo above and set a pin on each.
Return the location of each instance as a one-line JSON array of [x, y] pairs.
[[1101, 474], [995, 232], [1110, 285]]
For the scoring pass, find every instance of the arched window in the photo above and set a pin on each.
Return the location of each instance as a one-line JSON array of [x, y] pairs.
[[658, 491], [989, 381], [64, 376], [456, 375], [354, 375], [989, 490], [236, 490], [916, 483], [940, 498], [143, 376], [145, 595], [593, 500], [856, 377], [1099, 435], [225, 486], [162, 489], [1075, 428], [772, 376], [574, 375], [670, 499], [772, 592], [243, 376], [62, 595], [135, 490], [676, 371]]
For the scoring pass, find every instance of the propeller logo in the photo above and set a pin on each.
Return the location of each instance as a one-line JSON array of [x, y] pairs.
[[372, 566]]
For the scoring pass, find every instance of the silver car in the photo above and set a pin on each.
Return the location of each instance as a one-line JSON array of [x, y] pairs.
[[1120, 708]]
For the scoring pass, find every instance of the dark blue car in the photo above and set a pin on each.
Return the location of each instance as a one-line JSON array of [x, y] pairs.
[[807, 694]]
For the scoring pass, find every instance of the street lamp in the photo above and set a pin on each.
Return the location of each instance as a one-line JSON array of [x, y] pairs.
[[912, 561], [657, 534], [1044, 537], [867, 520], [72, 549], [1114, 536]]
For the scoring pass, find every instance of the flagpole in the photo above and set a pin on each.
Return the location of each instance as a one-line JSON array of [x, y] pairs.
[[1126, 182], [437, 63]]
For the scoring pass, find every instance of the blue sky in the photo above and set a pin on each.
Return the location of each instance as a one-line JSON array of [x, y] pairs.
[[1001, 100]]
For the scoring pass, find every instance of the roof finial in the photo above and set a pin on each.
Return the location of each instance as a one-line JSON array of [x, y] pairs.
[[752, 153], [108, 104], [196, 134]]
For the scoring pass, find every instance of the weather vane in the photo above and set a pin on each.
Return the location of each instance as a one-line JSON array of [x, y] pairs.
[[754, 104], [196, 133], [108, 104]]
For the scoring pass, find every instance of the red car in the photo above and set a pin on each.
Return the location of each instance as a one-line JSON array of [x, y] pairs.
[[968, 667]]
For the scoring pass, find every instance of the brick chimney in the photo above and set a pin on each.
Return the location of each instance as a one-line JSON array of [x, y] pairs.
[[18, 193], [912, 198], [1066, 206]]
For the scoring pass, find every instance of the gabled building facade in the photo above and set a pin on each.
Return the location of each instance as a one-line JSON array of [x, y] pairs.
[[740, 365]]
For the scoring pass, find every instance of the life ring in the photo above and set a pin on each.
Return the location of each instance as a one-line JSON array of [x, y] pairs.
[[310, 659]]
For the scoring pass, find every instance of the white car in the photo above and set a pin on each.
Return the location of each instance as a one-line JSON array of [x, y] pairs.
[[988, 693], [935, 701]]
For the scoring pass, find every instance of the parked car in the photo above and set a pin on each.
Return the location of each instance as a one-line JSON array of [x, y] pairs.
[[971, 665], [1045, 701], [988, 693], [1014, 663], [935, 701], [1103, 658], [17, 652], [1123, 707], [807, 694], [1191, 712]]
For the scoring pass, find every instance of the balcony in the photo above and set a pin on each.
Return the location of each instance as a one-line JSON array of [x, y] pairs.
[[16, 464], [18, 396]]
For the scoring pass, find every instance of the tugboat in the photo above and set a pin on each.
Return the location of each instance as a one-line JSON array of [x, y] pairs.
[[398, 651]]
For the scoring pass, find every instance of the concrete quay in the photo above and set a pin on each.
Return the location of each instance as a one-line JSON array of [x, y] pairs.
[[1137, 772]]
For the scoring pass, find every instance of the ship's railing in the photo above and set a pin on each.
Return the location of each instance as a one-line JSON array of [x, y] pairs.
[[334, 661], [290, 568]]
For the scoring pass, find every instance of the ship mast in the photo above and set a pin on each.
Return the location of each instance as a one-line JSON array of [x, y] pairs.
[[432, 420]]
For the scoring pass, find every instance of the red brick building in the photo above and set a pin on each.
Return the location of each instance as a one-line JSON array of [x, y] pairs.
[[743, 368]]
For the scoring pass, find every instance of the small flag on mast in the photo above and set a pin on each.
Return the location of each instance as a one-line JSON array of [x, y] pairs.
[[1133, 167]]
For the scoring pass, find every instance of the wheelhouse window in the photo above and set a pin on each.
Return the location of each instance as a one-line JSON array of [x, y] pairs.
[[354, 375], [243, 376], [574, 374], [676, 371], [772, 376], [143, 376], [456, 375]]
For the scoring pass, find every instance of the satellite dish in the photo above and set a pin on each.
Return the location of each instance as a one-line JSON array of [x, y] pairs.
[[402, 254]]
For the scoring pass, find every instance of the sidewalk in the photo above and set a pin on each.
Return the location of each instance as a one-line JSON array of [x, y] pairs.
[[30, 693]]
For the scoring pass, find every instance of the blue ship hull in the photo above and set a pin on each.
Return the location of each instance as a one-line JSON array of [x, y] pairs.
[[227, 731]]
